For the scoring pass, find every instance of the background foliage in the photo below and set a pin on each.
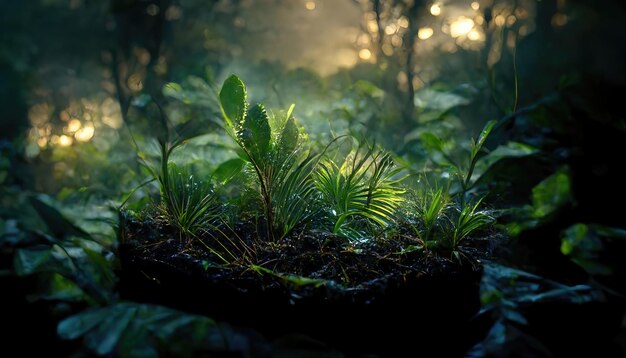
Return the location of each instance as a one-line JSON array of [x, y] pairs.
[[88, 87]]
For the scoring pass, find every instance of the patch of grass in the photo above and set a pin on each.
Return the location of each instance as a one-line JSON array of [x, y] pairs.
[[190, 204], [431, 206]]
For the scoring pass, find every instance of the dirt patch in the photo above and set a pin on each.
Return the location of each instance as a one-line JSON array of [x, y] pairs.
[[311, 282]]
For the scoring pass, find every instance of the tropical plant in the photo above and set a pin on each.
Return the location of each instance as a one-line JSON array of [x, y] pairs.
[[190, 204], [431, 205], [476, 151], [364, 185], [469, 220], [281, 162]]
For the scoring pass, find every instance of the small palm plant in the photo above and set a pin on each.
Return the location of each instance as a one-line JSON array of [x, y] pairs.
[[190, 204], [281, 162], [469, 220], [431, 206], [476, 152], [364, 185]]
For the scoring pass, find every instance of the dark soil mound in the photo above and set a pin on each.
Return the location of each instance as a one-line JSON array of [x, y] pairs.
[[348, 295]]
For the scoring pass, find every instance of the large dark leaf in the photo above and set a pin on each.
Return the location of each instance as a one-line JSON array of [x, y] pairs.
[[130, 329], [59, 225], [29, 261]]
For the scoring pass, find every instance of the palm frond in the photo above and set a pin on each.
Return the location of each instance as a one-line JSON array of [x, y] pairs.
[[364, 185], [190, 204], [469, 221]]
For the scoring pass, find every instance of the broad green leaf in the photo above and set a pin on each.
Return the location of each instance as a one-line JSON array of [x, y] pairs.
[[255, 133], [109, 333], [176, 91], [508, 150], [233, 100], [439, 101], [78, 325], [131, 329], [98, 260], [430, 141], [368, 88], [551, 194], [228, 169], [29, 261], [58, 224], [584, 244]]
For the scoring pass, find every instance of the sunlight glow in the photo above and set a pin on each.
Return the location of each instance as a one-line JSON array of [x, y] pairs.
[[396, 40], [135, 82], [363, 40], [73, 125], [41, 142], [372, 26], [425, 33], [39, 114], [510, 21], [391, 29], [435, 9], [310, 5], [474, 35], [387, 49], [65, 141], [475, 5], [461, 26], [365, 54], [559, 20], [500, 20], [403, 22], [64, 116], [84, 134], [152, 10]]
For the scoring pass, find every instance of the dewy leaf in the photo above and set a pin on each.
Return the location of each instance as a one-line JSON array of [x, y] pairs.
[[289, 136], [485, 132], [477, 145], [233, 100], [255, 133]]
